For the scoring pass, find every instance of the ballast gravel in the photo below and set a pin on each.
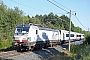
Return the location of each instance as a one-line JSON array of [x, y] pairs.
[[38, 55]]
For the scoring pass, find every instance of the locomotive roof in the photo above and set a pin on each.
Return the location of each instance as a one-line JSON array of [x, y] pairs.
[[23, 25], [34, 26], [41, 28]]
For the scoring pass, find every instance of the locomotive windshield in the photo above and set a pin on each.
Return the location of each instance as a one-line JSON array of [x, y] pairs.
[[22, 28]]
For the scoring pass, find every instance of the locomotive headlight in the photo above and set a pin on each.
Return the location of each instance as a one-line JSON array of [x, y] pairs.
[[24, 38], [29, 38], [16, 38]]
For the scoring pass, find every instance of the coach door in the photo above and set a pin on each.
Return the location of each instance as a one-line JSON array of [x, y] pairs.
[[60, 34], [63, 36]]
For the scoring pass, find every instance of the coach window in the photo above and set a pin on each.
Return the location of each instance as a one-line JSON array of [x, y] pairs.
[[72, 35], [79, 35], [67, 35], [36, 31]]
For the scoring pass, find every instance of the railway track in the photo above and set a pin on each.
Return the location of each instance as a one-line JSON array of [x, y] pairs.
[[8, 54], [74, 42]]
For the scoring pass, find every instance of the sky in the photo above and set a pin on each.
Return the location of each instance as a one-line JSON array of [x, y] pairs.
[[33, 7]]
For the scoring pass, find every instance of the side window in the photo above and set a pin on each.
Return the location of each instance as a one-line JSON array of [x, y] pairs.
[[36, 31], [79, 35], [72, 35], [67, 35], [76, 35]]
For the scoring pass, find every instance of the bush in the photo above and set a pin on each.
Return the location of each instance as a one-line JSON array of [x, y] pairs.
[[74, 49], [6, 43], [87, 41]]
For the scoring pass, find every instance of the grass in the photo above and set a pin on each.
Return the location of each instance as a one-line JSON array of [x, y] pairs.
[[78, 52], [5, 44], [82, 53]]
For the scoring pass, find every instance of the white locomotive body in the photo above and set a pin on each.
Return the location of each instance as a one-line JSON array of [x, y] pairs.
[[29, 36]]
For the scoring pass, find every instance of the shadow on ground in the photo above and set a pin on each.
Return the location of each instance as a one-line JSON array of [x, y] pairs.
[[65, 46], [51, 54], [46, 53], [7, 49]]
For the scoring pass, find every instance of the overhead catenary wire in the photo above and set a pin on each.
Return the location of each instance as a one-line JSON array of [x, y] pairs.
[[31, 7], [57, 6], [28, 14], [60, 4], [28, 6], [80, 22]]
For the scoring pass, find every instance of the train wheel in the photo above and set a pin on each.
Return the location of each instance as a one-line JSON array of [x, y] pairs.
[[32, 48]]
